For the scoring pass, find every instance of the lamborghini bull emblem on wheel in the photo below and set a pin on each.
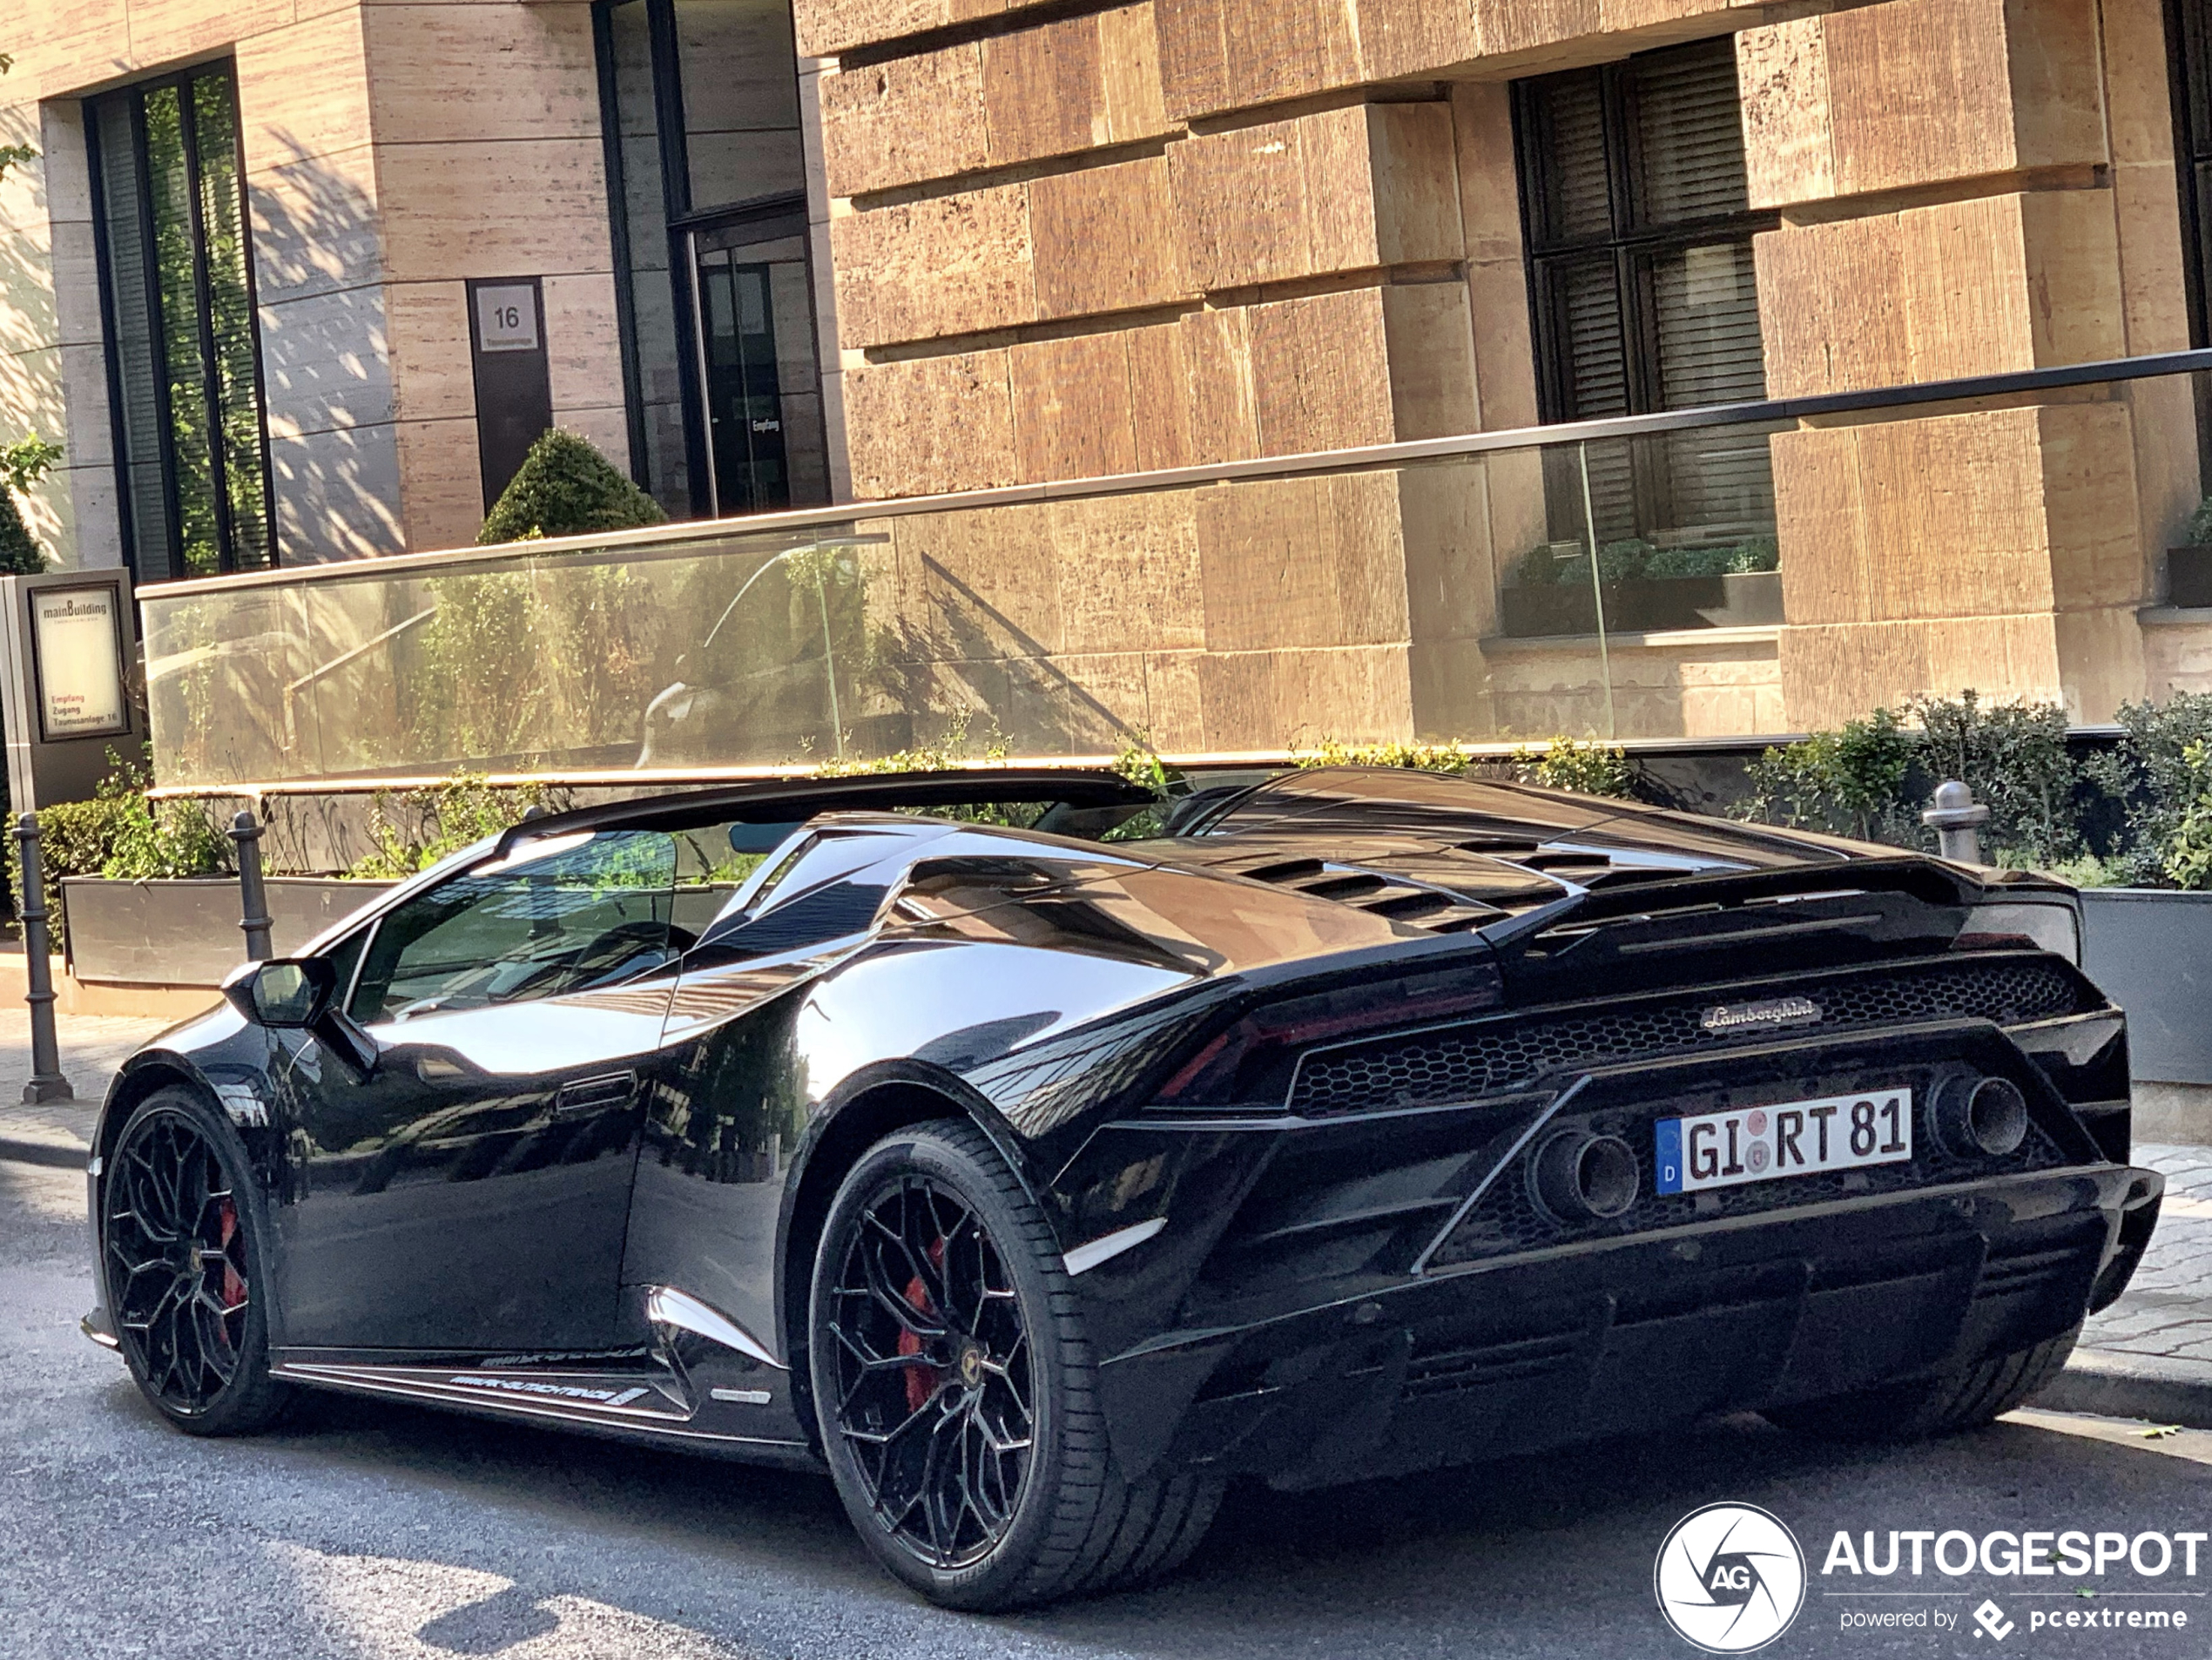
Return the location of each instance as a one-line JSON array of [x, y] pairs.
[[1033, 1155]]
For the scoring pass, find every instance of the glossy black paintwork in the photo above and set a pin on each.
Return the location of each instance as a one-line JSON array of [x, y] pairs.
[[1123, 1019]]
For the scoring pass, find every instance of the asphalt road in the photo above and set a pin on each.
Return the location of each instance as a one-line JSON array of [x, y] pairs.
[[371, 1531]]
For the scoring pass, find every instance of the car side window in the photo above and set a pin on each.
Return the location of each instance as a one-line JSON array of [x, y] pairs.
[[572, 913]]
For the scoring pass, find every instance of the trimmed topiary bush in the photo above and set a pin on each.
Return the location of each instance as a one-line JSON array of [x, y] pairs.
[[567, 488], [19, 555]]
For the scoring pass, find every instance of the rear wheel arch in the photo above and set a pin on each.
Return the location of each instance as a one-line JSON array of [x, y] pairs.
[[877, 1110]]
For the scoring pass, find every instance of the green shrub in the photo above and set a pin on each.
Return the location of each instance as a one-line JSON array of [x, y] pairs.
[[2199, 534], [1758, 554], [121, 835], [22, 465], [416, 829], [1620, 560], [1586, 769], [2014, 758], [567, 488], [1848, 781], [2155, 775], [20, 556], [1417, 758]]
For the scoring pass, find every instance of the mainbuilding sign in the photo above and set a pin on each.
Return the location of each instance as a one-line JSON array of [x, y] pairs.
[[77, 645]]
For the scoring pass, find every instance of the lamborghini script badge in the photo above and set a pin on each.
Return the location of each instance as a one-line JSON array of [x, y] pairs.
[[1775, 1011]]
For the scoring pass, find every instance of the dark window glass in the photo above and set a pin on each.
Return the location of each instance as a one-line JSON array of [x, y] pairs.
[[566, 918], [176, 275], [1639, 239], [708, 194], [2188, 25]]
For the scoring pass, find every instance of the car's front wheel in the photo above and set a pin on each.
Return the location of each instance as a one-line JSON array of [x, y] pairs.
[[180, 1244], [957, 1393]]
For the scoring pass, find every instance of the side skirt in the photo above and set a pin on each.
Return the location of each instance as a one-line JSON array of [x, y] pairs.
[[633, 1404]]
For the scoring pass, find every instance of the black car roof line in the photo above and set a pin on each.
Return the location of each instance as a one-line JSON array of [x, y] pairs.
[[770, 800]]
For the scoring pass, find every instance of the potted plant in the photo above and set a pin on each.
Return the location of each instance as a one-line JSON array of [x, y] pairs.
[[1647, 588]]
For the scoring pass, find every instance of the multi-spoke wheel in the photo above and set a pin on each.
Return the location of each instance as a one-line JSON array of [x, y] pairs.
[[178, 1246], [957, 1393]]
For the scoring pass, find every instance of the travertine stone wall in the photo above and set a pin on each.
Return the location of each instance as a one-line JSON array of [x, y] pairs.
[[1183, 232], [1966, 188], [392, 151]]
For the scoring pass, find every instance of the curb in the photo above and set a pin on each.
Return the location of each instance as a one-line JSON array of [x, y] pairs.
[[2165, 1389]]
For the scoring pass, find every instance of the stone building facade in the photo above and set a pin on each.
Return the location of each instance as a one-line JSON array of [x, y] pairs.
[[1002, 242]]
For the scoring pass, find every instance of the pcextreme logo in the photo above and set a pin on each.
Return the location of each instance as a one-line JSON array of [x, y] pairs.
[[1729, 1578]]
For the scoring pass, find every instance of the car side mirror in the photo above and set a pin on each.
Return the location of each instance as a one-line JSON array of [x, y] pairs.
[[285, 993]]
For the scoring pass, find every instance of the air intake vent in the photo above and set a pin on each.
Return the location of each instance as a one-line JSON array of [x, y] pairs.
[[1421, 905]]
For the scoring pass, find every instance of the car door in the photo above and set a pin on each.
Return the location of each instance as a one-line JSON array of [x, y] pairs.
[[468, 1190]]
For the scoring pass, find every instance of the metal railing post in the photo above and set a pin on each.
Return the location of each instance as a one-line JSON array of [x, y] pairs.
[[252, 896], [1957, 821], [47, 1083]]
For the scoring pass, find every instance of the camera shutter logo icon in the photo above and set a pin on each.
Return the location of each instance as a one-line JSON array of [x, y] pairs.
[[1729, 1578]]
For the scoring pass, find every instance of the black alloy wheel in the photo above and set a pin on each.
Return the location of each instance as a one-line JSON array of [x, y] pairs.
[[933, 1371], [957, 1393], [179, 1223]]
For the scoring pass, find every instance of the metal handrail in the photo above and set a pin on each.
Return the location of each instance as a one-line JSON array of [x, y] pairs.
[[1301, 466]]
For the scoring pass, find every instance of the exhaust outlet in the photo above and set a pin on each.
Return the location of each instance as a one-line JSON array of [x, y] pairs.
[[1579, 1176], [1985, 1115]]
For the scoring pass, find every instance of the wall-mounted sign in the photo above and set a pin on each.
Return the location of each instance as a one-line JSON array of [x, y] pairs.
[[514, 378], [506, 317], [77, 656]]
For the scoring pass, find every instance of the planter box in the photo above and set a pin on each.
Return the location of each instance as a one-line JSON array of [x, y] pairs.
[[185, 933], [2151, 952], [2189, 576], [1754, 601], [1649, 604]]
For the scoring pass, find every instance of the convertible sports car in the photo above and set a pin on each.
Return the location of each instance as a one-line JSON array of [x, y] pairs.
[[1037, 1177]]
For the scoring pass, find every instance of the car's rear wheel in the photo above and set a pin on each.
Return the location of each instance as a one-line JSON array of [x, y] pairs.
[[180, 1242], [957, 1393], [1964, 1398]]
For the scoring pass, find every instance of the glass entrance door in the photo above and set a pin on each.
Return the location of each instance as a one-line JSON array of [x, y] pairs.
[[759, 384]]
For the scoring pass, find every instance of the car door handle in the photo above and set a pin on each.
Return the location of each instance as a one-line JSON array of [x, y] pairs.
[[594, 1095]]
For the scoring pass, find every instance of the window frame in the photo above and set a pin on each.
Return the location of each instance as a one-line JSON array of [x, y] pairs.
[[1631, 244], [681, 220], [132, 99]]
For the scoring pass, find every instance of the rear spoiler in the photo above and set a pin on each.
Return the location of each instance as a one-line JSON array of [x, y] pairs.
[[775, 801], [1928, 879]]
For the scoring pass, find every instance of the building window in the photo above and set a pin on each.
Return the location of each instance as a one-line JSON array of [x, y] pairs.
[[184, 355], [1638, 229], [708, 187], [2189, 32]]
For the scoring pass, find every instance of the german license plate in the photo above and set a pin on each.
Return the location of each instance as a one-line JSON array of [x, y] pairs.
[[1789, 1138]]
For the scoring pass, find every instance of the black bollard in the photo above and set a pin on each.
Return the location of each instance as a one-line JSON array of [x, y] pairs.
[[47, 1083], [252, 896]]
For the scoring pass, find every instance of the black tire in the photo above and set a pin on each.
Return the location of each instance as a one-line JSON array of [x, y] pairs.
[[1052, 1519], [183, 1239], [1966, 1397]]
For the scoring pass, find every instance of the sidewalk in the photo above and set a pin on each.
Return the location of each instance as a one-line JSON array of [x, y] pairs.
[[93, 1048], [2148, 1356]]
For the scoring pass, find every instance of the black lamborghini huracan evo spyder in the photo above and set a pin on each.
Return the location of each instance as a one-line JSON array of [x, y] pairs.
[[1036, 1183]]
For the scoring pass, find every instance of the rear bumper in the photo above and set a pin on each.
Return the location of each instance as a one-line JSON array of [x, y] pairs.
[[1621, 1335]]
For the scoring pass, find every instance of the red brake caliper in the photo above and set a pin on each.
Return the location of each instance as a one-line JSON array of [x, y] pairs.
[[921, 1380], [233, 1286]]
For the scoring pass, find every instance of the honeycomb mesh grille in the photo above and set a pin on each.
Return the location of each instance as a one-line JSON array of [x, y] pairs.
[[1462, 1063]]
